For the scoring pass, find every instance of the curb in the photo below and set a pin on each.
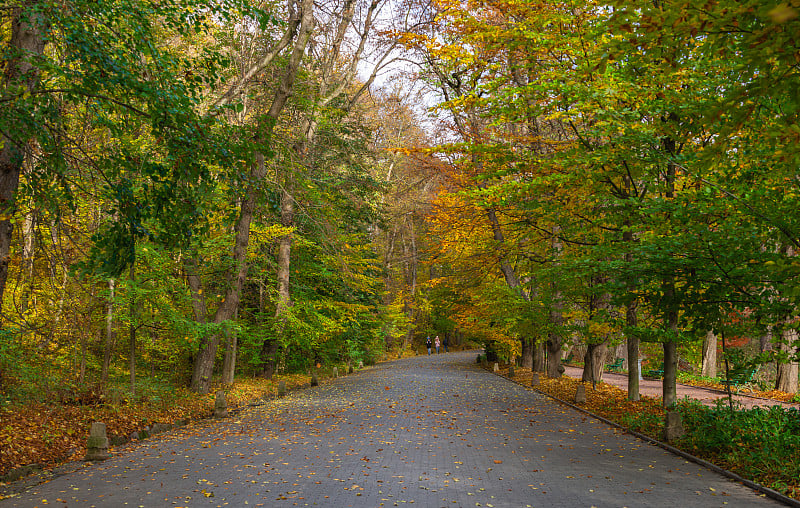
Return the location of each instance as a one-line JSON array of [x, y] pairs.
[[773, 494]]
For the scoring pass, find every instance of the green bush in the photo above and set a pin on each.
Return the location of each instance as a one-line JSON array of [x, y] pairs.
[[758, 442], [25, 377], [644, 422]]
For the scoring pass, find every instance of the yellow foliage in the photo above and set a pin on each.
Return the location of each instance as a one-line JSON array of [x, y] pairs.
[[601, 329], [508, 347]]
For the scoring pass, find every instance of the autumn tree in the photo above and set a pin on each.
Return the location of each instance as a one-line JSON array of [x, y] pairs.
[[95, 109], [296, 37]]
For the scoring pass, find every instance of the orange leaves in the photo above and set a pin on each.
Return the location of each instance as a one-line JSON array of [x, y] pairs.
[[50, 435], [777, 395], [411, 40], [606, 400]]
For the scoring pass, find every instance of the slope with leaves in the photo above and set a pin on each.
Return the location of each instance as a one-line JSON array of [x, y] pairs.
[[46, 435]]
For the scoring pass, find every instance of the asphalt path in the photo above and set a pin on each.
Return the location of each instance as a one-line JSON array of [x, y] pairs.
[[431, 431]]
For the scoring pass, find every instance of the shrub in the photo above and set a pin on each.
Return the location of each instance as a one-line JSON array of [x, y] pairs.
[[758, 442]]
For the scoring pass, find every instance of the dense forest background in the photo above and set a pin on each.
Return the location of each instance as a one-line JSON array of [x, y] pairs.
[[193, 190]]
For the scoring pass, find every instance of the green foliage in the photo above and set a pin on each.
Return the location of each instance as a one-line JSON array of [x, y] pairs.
[[690, 378], [736, 358], [118, 72], [130, 170], [646, 422], [20, 379], [29, 377], [756, 441], [638, 144]]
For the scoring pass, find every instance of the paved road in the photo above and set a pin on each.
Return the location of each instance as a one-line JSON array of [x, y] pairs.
[[432, 431]]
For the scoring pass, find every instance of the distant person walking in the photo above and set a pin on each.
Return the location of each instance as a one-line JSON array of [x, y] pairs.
[[437, 344], [444, 343], [428, 344]]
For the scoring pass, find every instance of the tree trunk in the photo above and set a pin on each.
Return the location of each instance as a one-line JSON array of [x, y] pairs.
[[593, 363], [709, 365], [229, 363], [632, 344], [336, 79], [59, 308], [554, 339], [527, 353], [786, 380], [669, 388], [411, 258], [231, 348], [28, 252], [26, 42], [192, 271], [554, 368], [597, 350], [132, 328], [270, 346], [82, 367], [410, 275], [204, 362], [765, 341], [269, 350], [28, 242], [512, 280], [110, 336], [285, 251], [631, 321], [539, 357], [191, 268]]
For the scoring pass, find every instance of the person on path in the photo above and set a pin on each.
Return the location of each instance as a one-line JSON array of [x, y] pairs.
[[438, 343], [428, 344], [444, 343]]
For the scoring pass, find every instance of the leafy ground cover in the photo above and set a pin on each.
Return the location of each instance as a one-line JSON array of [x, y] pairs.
[[715, 384], [751, 389], [759, 444], [46, 435]]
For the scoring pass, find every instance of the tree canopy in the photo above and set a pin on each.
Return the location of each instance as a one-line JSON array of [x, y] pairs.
[[253, 187]]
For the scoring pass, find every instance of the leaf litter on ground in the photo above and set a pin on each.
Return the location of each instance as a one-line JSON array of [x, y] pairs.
[[39, 437]]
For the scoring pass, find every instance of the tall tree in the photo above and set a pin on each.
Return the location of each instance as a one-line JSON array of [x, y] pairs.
[[336, 68], [300, 28], [21, 80]]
